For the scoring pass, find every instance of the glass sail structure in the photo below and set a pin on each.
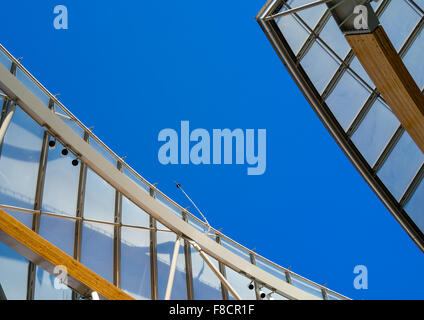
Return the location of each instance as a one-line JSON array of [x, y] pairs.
[[319, 58], [60, 180]]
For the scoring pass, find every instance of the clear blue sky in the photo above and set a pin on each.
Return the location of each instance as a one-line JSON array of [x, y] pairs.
[[132, 68]]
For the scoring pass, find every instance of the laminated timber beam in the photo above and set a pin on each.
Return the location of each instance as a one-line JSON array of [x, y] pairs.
[[42, 253], [392, 79]]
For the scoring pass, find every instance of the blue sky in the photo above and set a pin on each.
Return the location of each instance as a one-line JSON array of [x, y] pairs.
[[132, 68]]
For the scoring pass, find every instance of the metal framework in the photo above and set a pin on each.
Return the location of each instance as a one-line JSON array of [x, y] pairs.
[[267, 22], [113, 173]]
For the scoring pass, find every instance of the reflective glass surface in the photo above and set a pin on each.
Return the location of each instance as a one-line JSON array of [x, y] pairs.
[[99, 201], [205, 283], [165, 249], [19, 161], [61, 183], [97, 249], [135, 262], [369, 127]]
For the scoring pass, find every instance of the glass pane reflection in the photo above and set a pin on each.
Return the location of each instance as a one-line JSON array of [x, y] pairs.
[[97, 249], [165, 249], [19, 161], [135, 262]]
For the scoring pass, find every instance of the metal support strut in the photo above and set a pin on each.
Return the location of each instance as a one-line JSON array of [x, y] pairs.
[[173, 268], [216, 271]]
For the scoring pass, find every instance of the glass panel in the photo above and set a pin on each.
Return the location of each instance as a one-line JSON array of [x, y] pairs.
[[319, 73], [103, 152], [60, 232], [332, 296], [31, 86], [13, 273], [306, 286], [235, 249], [99, 201], [414, 61], [19, 161], [61, 183], [134, 178], [196, 224], [97, 236], [359, 69], [14, 267], [23, 217], [4, 60], [332, 35], [133, 215], [240, 284], [206, 285], [169, 205], [398, 21], [401, 166], [415, 206], [347, 99], [312, 15], [165, 249], [293, 31], [69, 121], [135, 262], [375, 131], [270, 269]]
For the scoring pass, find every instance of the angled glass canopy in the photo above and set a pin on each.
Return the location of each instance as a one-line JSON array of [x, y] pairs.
[[321, 61]]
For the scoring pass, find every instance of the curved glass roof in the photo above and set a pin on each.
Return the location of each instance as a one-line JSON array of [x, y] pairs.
[[348, 102], [86, 213]]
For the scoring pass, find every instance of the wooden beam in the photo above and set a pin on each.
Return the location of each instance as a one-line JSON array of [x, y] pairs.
[[391, 77], [42, 253]]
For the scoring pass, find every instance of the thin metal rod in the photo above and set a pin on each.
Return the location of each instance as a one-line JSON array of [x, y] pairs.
[[297, 9], [7, 121], [216, 271], [173, 268], [204, 218]]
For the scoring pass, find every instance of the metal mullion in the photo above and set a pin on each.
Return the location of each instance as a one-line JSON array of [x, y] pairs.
[[324, 293], [362, 113], [411, 38], [6, 104], [38, 199], [117, 236], [188, 264], [80, 210], [388, 149], [223, 271], [153, 255], [416, 6], [314, 35], [410, 190], [288, 277], [257, 289], [338, 75]]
